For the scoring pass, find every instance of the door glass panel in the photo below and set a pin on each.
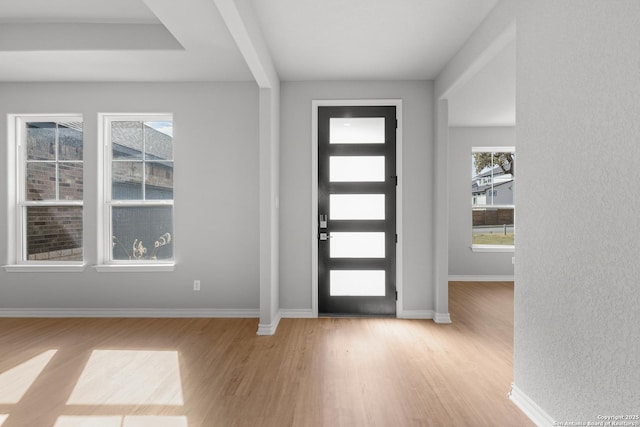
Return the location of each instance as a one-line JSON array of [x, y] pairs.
[[357, 283], [356, 130], [356, 169], [357, 245], [356, 206]]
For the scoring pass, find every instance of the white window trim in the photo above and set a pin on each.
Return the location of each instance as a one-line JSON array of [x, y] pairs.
[[492, 248], [105, 263], [15, 195]]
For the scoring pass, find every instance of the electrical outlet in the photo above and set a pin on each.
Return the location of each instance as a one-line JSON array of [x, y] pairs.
[[196, 285]]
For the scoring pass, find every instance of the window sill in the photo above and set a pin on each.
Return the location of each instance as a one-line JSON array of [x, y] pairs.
[[134, 268], [492, 248], [44, 268]]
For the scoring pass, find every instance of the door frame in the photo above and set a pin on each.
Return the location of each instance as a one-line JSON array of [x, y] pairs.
[[314, 190]]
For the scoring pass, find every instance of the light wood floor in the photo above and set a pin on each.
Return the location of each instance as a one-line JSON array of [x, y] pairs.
[[217, 372]]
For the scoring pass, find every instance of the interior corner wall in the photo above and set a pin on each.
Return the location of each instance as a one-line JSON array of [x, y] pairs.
[[295, 187], [216, 219], [462, 261], [577, 316]]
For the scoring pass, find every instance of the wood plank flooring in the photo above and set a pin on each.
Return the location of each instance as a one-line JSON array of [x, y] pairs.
[[217, 372]]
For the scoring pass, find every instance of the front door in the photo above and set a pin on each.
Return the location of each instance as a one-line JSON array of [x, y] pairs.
[[357, 210]]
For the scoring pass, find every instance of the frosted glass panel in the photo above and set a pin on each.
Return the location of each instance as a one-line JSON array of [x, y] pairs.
[[356, 130], [357, 245], [357, 283], [356, 169], [356, 206]]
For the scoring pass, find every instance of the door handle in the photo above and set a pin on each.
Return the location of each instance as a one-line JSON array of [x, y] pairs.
[[324, 236], [323, 221]]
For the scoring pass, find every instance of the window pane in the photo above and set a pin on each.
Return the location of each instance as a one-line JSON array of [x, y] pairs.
[[357, 245], [356, 169], [70, 181], [493, 226], [159, 180], [70, 141], [41, 181], [41, 141], [492, 197], [356, 206], [126, 140], [142, 233], [158, 140], [127, 181], [356, 130], [54, 233], [357, 283], [493, 178]]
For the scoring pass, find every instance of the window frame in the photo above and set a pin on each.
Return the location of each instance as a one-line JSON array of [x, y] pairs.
[[106, 263], [17, 260], [484, 247]]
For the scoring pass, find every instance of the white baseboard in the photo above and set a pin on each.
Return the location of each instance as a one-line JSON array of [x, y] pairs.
[[416, 314], [482, 278], [270, 329], [442, 318], [295, 313], [130, 312], [530, 408]]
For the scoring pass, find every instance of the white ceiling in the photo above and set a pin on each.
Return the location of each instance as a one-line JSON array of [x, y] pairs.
[[366, 39], [88, 11], [489, 97], [117, 40], [187, 40]]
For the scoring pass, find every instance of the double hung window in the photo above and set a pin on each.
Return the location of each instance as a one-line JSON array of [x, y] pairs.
[[493, 198], [48, 185], [138, 189]]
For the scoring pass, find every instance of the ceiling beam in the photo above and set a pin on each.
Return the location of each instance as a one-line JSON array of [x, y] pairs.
[[245, 30]]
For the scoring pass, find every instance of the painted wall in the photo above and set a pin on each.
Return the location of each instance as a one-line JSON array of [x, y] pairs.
[[577, 316], [295, 190], [462, 261], [216, 221]]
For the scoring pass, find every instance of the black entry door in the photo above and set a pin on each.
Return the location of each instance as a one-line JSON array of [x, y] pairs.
[[357, 210]]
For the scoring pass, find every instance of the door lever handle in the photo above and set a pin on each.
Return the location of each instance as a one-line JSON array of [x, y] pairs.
[[324, 236]]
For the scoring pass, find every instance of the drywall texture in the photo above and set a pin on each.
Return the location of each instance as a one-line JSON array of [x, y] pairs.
[[462, 261], [216, 224], [577, 316], [416, 176]]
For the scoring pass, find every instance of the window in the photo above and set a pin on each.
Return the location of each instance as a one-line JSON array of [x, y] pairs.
[[493, 198], [138, 189], [46, 183]]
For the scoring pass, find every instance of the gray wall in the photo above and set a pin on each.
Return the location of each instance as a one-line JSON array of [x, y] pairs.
[[462, 261], [577, 316], [295, 190], [216, 203]]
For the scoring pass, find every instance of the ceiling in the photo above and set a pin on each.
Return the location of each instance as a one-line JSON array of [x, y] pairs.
[[367, 39], [117, 40], [188, 40], [489, 97]]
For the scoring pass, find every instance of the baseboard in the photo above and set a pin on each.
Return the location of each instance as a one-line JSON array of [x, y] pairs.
[[482, 278], [130, 312], [530, 408], [416, 314], [295, 313], [270, 329], [442, 318]]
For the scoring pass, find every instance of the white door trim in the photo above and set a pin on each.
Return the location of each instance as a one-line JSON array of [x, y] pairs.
[[314, 191]]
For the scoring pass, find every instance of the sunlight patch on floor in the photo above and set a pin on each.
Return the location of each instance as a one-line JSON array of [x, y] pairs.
[[129, 377], [3, 417], [15, 382], [118, 421]]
